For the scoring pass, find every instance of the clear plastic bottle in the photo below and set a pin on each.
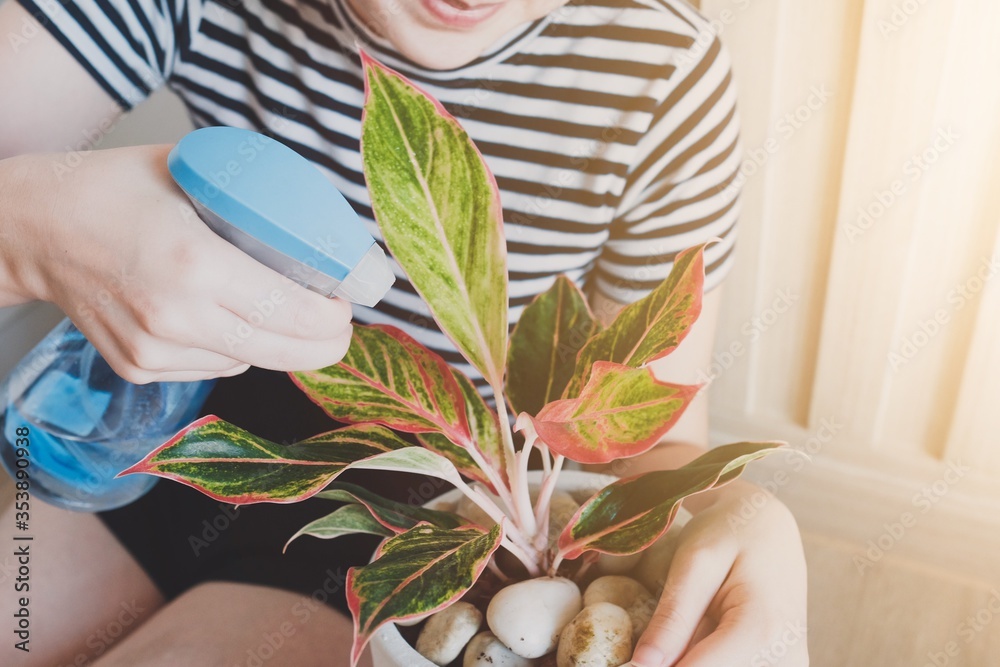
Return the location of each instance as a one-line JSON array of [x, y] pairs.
[[86, 424]]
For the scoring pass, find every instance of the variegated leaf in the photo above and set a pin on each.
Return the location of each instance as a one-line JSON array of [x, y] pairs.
[[346, 520], [438, 208], [544, 345], [621, 412], [391, 515], [232, 465], [416, 574], [652, 327], [627, 516], [388, 378]]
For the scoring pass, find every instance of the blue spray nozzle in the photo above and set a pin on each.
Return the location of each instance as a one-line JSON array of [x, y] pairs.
[[278, 207]]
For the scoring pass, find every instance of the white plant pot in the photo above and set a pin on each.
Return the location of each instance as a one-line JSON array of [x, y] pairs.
[[388, 647]]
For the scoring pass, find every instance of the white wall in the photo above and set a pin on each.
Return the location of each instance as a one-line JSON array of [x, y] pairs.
[[849, 336]]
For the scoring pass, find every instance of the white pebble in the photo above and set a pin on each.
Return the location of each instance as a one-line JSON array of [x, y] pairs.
[[529, 615], [599, 636], [626, 593], [448, 631], [485, 650]]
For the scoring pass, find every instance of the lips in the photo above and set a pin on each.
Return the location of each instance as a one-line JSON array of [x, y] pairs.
[[460, 15]]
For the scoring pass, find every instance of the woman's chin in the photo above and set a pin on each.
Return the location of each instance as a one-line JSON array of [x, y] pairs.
[[441, 51]]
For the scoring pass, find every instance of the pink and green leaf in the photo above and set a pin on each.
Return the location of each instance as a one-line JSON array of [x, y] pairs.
[[438, 208], [388, 378], [621, 412], [391, 515], [627, 516], [652, 327], [544, 346], [346, 520], [417, 573], [232, 465]]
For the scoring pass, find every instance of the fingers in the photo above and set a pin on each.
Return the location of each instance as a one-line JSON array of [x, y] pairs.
[[141, 358], [196, 376], [271, 302], [694, 579], [266, 349], [734, 640], [162, 363], [742, 639]]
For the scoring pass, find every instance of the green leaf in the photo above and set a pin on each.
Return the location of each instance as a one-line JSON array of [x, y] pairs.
[[416, 574], [232, 465], [652, 327], [627, 516], [621, 412], [388, 378], [346, 520], [544, 345], [438, 207], [485, 427], [389, 514]]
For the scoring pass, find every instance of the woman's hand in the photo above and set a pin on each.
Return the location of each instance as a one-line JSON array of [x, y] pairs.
[[735, 591], [115, 244]]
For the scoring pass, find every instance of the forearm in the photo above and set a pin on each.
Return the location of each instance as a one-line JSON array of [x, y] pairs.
[[26, 201]]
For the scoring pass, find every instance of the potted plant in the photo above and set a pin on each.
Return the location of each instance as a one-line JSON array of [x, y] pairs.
[[579, 391]]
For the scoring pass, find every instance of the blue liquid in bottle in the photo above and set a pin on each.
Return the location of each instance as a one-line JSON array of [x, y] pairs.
[[85, 424]]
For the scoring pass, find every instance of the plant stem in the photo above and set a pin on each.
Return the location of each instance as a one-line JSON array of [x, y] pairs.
[[522, 495], [513, 532], [529, 563], [554, 567], [543, 449], [505, 435], [495, 569], [523, 516], [548, 486], [493, 476]]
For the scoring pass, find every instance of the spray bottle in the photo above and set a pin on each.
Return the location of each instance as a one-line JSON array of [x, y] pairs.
[[69, 424]]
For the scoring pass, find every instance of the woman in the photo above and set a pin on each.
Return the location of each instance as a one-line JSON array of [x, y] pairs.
[[611, 128]]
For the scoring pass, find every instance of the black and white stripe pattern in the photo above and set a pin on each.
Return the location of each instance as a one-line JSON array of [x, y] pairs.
[[610, 125]]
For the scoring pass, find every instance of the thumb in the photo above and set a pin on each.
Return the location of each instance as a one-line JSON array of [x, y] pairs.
[[694, 578]]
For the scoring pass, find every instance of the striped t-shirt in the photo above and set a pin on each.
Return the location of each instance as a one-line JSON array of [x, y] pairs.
[[610, 125]]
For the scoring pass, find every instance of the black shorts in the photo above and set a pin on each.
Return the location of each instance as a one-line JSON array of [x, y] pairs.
[[182, 538]]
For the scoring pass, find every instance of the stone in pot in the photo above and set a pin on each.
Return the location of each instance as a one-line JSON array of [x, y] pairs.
[[626, 593], [599, 636], [448, 631], [485, 650], [529, 616]]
